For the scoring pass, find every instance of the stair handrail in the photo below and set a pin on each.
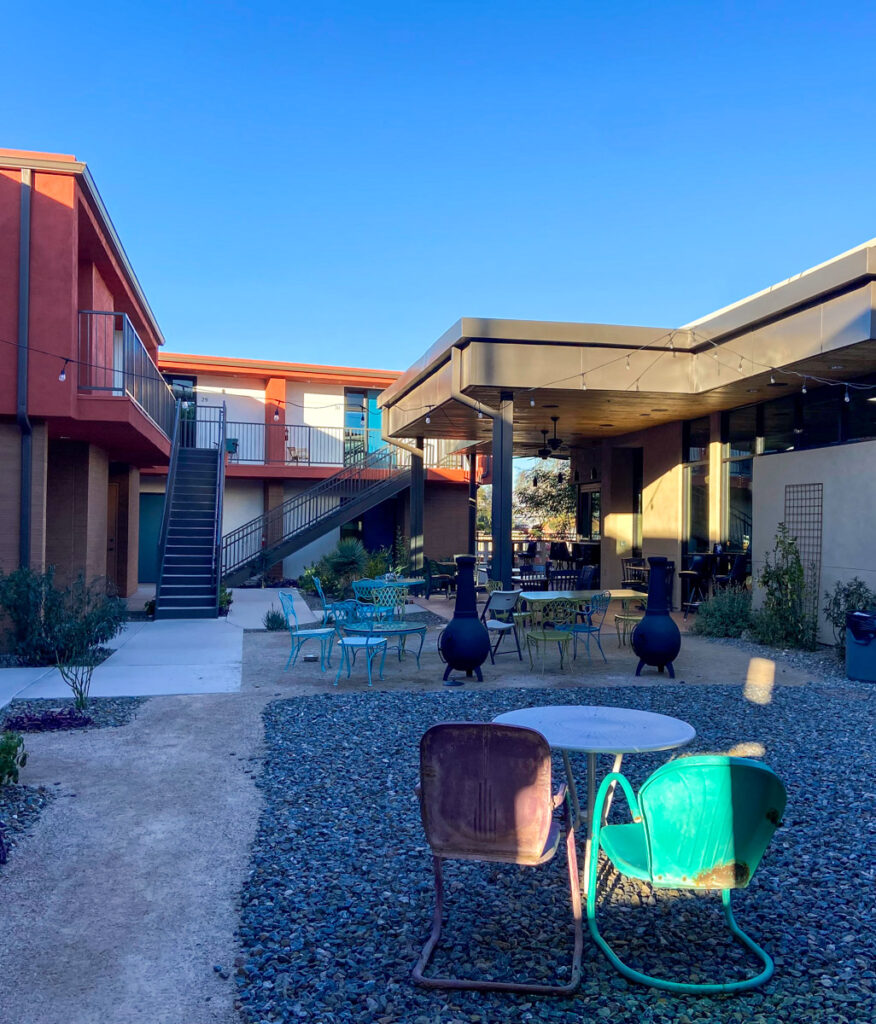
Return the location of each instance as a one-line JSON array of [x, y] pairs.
[[220, 494], [168, 497], [295, 508]]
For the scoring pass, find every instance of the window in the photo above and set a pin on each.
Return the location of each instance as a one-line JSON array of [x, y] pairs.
[[362, 417], [589, 524], [696, 438]]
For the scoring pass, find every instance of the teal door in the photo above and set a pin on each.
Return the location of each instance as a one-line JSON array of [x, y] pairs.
[[151, 511]]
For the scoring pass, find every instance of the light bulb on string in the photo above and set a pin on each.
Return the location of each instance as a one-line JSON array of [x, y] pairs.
[[846, 396], [480, 415], [62, 376], [276, 414], [803, 389], [428, 417], [583, 383], [772, 379], [531, 403]]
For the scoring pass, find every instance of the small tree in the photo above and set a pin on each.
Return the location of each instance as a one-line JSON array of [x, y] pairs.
[[787, 615], [540, 497], [348, 561], [90, 616]]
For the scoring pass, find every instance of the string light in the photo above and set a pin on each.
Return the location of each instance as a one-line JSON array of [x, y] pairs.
[[531, 403], [276, 414], [480, 415], [846, 397], [628, 362], [62, 376], [772, 379], [583, 383], [803, 389], [428, 417]]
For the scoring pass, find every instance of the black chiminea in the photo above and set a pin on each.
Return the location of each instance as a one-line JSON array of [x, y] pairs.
[[465, 642], [656, 639]]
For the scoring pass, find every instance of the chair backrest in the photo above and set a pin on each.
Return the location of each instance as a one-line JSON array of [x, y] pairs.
[[493, 585], [500, 604], [362, 589], [288, 606], [585, 578], [319, 591], [708, 820], [562, 579], [598, 606], [739, 572], [701, 565], [485, 791], [559, 551], [392, 600], [560, 612]]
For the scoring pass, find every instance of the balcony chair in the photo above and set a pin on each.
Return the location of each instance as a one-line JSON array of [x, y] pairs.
[[498, 617], [592, 623], [485, 795], [700, 823], [324, 634], [527, 557], [697, 578]]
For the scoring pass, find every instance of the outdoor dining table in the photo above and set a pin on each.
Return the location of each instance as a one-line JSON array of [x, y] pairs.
[[594, 730], [386, 630], [536, 596]]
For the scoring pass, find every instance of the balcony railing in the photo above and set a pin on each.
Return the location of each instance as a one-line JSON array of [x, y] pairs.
[[278, 444], [113, 360]]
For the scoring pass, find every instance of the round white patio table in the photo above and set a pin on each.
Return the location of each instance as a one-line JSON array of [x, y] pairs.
[[593, 730]]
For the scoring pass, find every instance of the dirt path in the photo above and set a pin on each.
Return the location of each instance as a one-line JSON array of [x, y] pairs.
[[116, 907]]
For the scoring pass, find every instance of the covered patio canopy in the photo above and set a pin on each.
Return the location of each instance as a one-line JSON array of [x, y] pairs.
[[499, 382]]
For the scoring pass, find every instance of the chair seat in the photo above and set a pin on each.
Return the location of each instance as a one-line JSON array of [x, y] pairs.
[[497, 624], [549, 635], [322, 631], [362, 641], [627, 849]]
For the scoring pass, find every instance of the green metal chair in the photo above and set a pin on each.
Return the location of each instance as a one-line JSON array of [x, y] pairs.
[[548, 622], [699, 823]]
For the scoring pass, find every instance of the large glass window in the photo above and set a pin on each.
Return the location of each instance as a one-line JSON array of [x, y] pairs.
[[782, 425], [589, 515], [362, 417], [696, 439]]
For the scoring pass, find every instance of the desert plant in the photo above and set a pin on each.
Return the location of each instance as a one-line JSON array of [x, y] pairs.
[[274, 620], [727, 613], [91, 615], [12, 756], [379, 562], [854, 596], [401, 553], [787, 616], [347, 562]]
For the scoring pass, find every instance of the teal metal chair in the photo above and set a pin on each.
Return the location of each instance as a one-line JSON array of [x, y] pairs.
[[594, 618], [330, 609], [324, 634], [700, 823]]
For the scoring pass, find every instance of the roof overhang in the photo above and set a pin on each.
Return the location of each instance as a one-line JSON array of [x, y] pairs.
[[605, 380]]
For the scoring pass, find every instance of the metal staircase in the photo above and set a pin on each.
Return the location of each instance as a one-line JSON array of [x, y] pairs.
[[191, 531], [304, 518]]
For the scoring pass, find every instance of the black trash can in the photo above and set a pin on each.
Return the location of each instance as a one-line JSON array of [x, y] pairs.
[[861, 646]]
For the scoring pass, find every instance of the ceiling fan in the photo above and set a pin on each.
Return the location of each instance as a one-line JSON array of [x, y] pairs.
[[550, 446]]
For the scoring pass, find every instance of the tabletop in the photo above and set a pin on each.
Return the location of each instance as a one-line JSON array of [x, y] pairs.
[[579, 595], [602, 730], [383, 627]]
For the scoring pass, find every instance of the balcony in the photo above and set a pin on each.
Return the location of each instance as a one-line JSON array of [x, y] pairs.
[[114, 361], [270, 444]]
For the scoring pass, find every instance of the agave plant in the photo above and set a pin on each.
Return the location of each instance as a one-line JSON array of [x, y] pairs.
[[348, 561]]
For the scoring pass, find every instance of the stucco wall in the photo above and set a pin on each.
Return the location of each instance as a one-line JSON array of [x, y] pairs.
[[848, 473], [244, 500], [244, 397]]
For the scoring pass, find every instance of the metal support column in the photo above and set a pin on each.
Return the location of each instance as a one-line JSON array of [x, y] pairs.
[[472, 503], [503, 483], [416, 509]]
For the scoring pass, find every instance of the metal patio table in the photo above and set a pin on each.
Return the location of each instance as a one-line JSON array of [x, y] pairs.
[[385, 630], [535, 596], [592, 730]]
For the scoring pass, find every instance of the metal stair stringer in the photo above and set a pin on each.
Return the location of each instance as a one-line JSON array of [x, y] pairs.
[[262, 542]]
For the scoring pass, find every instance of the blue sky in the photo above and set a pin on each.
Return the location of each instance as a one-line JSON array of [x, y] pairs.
[[339, 182]]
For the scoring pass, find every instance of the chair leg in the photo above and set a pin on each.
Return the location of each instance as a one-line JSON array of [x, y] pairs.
[[599, 645], [517, 641], [505, 986], [663, 983]]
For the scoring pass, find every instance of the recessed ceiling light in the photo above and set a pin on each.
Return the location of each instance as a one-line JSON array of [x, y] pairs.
[[550, 407], [660, 410], [752, 391], [837, 366], [778, 384], [644, 414], [606, 424]]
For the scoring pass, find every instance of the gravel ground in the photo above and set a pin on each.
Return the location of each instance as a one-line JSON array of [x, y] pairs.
[[20, 806], [339, 896], [105, 712]]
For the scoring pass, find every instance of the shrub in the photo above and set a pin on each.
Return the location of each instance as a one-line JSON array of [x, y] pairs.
[[12, 756], [379, 563], [728, 613], [226, 599], [854, 596], [274, 620], [347, 562], [31, 602], [788, 614]]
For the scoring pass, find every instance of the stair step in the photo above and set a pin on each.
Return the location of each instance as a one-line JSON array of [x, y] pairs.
[[187, 601], [186, 613]]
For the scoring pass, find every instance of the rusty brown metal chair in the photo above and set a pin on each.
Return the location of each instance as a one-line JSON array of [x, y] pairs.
[[485, 795]]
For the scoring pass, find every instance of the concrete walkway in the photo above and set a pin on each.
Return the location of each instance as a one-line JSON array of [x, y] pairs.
[[168, 656]]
